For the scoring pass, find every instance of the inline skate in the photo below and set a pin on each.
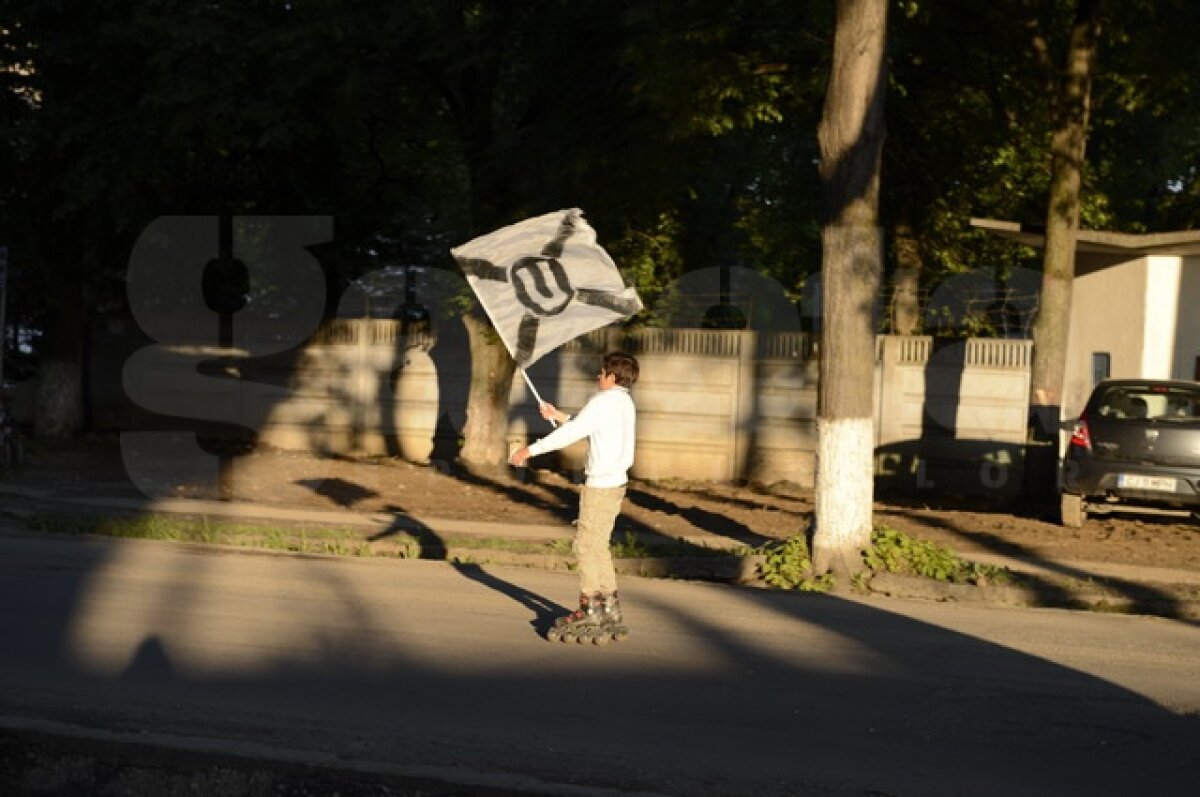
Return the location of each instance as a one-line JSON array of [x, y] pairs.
[[597, 620]]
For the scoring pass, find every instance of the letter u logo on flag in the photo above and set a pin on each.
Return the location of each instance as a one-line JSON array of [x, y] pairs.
[[545, 281]]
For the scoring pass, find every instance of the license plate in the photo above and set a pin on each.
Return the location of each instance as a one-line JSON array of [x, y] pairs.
[[1133, 481]]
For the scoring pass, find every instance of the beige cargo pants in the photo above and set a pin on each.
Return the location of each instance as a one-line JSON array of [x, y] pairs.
[[598, 510]]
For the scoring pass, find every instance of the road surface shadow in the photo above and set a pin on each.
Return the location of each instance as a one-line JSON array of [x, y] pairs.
[[544, 610], [720, 690]]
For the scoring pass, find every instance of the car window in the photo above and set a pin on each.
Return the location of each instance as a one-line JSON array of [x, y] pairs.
[[1149, 402], [1184, 407]]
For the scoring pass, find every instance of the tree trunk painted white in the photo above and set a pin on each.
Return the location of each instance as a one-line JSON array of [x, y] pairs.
[[844, 493], [851, 140]]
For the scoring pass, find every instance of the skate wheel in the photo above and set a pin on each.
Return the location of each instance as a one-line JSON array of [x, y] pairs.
[[600, 638], [553, 635], [567, 636]]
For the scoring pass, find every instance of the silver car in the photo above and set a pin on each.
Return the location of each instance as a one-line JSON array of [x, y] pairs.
[[1136, 446]]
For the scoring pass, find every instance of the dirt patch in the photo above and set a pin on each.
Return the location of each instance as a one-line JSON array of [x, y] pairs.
[[721, 513]]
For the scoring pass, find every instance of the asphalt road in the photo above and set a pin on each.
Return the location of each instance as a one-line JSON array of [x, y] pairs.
[[433, 668]]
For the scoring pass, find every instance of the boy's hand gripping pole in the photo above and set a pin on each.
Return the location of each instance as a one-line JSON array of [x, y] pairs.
[[533, 390]]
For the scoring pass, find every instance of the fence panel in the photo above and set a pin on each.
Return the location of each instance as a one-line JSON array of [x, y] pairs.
[[713, 404]]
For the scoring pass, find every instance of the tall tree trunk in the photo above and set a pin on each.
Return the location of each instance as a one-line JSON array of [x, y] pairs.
[[485, 434], [1050, 330], [851, 140], [906, 287], [60, 411], [67, 255], [470, 87]]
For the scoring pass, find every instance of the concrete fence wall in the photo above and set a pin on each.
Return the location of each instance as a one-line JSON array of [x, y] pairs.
[[713, 404], [952, 417]]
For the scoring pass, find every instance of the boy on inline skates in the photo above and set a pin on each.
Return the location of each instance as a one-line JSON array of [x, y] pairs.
[[609, 421]]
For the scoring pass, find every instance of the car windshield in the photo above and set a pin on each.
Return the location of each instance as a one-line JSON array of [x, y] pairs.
[[1149, 401]]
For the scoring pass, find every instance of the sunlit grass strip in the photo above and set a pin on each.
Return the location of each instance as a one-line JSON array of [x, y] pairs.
[[337, 541], [331, 540]]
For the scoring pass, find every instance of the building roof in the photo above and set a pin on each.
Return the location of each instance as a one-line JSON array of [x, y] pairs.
[[1128, 245]]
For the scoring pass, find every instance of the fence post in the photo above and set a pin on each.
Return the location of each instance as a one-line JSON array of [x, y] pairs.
[[885, 371], [745, 414]]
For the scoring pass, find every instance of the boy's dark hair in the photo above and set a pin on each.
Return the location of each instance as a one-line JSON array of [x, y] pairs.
[[623, 366]]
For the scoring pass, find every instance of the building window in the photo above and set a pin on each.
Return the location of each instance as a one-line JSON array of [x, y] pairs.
[[1196, 375], [1102, 366]]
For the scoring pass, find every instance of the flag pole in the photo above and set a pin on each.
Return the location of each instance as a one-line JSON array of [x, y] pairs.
[[533, 390]]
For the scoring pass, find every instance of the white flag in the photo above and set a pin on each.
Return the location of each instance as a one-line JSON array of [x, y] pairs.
[[544, 282]]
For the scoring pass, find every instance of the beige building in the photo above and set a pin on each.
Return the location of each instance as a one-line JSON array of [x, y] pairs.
[[1135, 306]]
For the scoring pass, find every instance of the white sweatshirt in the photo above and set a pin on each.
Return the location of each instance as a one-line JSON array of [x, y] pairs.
[[609, 422]]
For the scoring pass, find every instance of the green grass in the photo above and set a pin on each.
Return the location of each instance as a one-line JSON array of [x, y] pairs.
[[557, 547], [334, 541], [787, 563], [305, 539], [631, 546], [894, 551]]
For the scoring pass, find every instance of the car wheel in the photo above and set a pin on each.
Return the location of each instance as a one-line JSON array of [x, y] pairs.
[[1073, 510]]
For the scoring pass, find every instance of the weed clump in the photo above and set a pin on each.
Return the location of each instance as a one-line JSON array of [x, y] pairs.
[[787, 564], [894, 551]]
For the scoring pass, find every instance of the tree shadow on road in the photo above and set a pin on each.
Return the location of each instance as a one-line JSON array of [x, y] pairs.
[[433, 546], [544, 610], [1048, 584], [720, 690]]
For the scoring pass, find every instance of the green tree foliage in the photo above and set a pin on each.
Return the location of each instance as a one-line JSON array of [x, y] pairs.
[[969, 121], [685, 128], [735, 91], [1145, 133]]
